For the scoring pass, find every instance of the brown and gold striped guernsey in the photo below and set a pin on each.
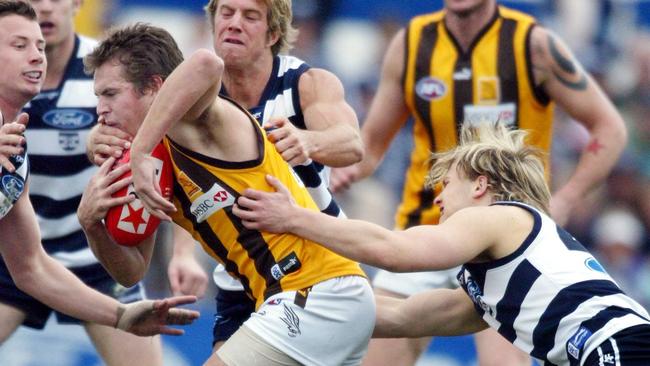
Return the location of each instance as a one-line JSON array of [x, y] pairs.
[[445, 87], [204, 192]]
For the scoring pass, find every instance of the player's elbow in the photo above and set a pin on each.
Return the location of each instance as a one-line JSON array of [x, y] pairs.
[[128, 279], [207, 63]]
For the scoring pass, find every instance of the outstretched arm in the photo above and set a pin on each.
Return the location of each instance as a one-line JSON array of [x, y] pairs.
[[39, 275], [332, 135], [398, 251], [440, 312], [567, 83]]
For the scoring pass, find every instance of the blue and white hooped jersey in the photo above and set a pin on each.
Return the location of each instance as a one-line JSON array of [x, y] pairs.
[[281, 99], [551, 297], [59, 122]]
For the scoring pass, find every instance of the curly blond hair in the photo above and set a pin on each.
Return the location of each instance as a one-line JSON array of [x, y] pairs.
[[514, 170]]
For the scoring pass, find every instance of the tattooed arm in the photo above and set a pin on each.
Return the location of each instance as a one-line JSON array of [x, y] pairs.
[[565, 81]]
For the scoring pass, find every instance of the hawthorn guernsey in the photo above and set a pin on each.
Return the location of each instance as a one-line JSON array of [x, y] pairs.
[[130, 224]]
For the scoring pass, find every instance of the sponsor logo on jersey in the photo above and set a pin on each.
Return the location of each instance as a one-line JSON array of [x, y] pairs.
[[577, 341], [430, 88], [593, 265], [286, 265], [210, 202], [503, 113], [489, 90], [68, 118], [12, 186], [474, 291], [463, 74], [292, 321], [69, 140], [188, 184]]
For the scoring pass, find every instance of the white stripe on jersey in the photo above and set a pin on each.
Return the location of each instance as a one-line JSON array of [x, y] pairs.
[[53, 148], [77, 94], [86, 46], [288, 63], [60, 188], [280, 106], [55, 228], [80, 258]]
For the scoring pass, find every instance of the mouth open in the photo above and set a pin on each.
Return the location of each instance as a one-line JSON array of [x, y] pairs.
[[46, 26], [233, 41]]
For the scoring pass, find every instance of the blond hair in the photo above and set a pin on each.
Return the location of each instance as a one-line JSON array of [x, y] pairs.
[[514, 170], [279, 17]]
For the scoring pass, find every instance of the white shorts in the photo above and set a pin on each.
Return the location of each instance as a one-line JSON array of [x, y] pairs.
[[407, 284], [331, 325]]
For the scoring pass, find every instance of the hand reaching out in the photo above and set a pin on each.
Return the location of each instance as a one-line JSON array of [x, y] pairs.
[[151, 317], [266, 211]]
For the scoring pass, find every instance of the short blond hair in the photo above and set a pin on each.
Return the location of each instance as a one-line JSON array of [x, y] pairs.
[[279, 17], [514, 170]]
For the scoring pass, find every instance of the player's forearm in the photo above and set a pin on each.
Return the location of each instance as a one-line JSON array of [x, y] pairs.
[[441, 312], [337, 146], [358, 240], [125, 264], [598, 158], [54, 285]]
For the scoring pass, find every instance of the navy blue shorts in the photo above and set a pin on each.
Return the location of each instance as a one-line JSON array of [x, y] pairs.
[[94, 276], [629, 347], [233, 308]]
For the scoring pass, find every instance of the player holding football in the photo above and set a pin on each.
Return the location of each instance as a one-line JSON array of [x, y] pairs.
[[305, 297]]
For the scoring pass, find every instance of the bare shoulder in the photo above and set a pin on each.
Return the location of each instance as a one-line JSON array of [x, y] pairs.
[[316, 84], [552, 60]]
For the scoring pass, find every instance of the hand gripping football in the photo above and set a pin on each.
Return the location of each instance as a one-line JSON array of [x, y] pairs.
[[130, 224]]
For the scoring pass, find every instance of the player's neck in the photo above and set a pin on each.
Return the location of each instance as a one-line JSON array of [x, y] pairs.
[[246, 84], [57, 60], [10, 109], [465, 27]]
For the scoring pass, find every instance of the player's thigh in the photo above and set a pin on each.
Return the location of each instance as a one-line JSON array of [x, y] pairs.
[[246, 348], [10, 319], [118, 348], [494, 350]]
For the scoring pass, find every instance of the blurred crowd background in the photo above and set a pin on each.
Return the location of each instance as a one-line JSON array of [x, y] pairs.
[[611, 38]]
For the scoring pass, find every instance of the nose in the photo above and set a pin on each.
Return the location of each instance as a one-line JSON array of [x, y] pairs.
[[437, 200], [102, 108], [37, 55], [234, 23]]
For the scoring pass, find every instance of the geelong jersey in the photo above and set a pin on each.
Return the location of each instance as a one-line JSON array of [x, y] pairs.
[[445, 87], [266, 264], [59, 121], [282, 99], [550, 298]]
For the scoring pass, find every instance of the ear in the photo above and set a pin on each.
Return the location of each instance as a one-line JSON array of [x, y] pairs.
[[156, 84], [272, 38], [480, 186]]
